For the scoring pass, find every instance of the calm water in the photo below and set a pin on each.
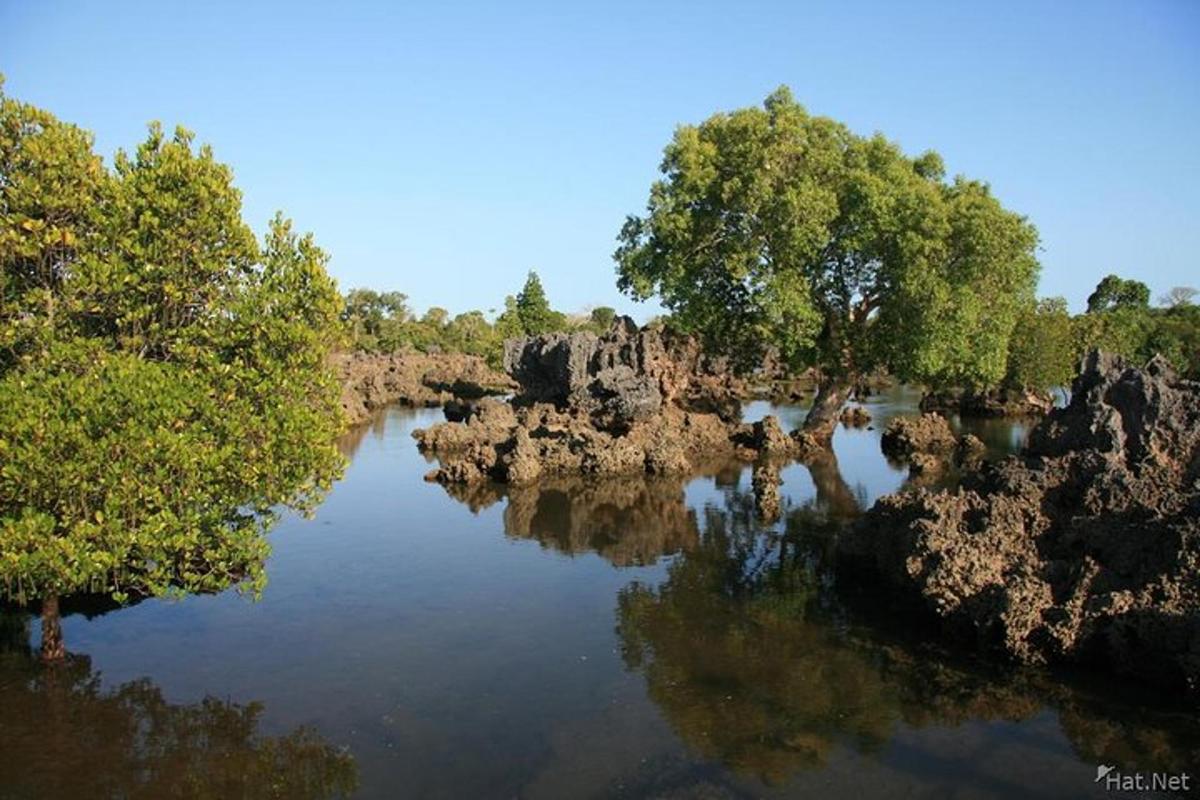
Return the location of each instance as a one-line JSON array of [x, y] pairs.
[[617, 639]]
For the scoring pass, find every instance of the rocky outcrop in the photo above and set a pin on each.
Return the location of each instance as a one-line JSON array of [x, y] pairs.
[[623, 377], [630, 401], [855, 417], [929, 446], [1085, 548], [993, 403], [928, 433], [371, 381]]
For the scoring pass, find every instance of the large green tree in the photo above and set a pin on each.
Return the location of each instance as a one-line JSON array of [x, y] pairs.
[[774, 228], [163, 379]]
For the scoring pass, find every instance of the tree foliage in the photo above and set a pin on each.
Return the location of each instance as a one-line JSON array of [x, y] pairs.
[[772, 227], [1133, 329], [1042, 355], [1114, 292], [533, 309], [602, 317], [163, 380], [382, 322], [376, 321]]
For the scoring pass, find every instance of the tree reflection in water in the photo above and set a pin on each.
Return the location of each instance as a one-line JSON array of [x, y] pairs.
[[760, 661], [759, 664], [63, 734]]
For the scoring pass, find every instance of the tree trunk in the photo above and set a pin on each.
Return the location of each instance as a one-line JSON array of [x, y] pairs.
[[53, 648], [822, 418], [834, 495]]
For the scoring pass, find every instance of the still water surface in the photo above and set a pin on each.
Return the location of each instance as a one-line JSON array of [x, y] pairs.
[[627, 638]]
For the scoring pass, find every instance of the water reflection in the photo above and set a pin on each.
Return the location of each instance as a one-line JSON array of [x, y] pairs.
[[758, 663], [350, 441], [63, 734], [459, 665], [630, 521], [636, 520]]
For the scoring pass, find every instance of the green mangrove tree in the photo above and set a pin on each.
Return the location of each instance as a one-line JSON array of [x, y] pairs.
[[774, 228]]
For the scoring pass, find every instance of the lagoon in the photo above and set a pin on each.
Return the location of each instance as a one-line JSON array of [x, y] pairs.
[[619, 638]]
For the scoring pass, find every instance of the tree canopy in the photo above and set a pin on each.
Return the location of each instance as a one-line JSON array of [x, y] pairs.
[[774, 228], [1041, 355], [1114, 292], [163, 379], [382, 322], [533, 309], [1121, 321]]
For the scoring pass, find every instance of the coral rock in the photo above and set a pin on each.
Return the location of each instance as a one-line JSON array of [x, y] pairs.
[[1085, 548]]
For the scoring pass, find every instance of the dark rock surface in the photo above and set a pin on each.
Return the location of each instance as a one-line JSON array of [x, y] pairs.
[[1086, 548], [626, 376]]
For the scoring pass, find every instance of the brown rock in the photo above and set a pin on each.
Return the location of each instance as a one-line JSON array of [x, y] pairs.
[[629, 401], [371, 381], [765, 481], [1086, 548], [970, 449], [855, 417], [928, 433]]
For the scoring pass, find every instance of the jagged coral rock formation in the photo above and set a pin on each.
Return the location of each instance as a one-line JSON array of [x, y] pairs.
[[1084, 548], [623, 377], [370, 380], [928, 433], [630, 401]]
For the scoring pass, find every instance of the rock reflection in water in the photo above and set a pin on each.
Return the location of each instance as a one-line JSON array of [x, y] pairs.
[[62, 734], [758, 665], [635, 520], [630, 521]]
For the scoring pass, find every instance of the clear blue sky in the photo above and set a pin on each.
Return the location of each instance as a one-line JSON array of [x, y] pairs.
[[444, 149]]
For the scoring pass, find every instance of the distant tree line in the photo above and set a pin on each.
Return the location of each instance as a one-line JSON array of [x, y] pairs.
[[1048, 341], [1043, 351], [383, 322]]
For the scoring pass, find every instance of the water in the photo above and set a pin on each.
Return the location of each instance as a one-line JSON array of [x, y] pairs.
[[616, 639]]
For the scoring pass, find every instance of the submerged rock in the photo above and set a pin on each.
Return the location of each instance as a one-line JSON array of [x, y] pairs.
[[765, 481], [1086, 548]]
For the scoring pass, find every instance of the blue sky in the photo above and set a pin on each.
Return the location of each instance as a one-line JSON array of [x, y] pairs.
[[444, 149]]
